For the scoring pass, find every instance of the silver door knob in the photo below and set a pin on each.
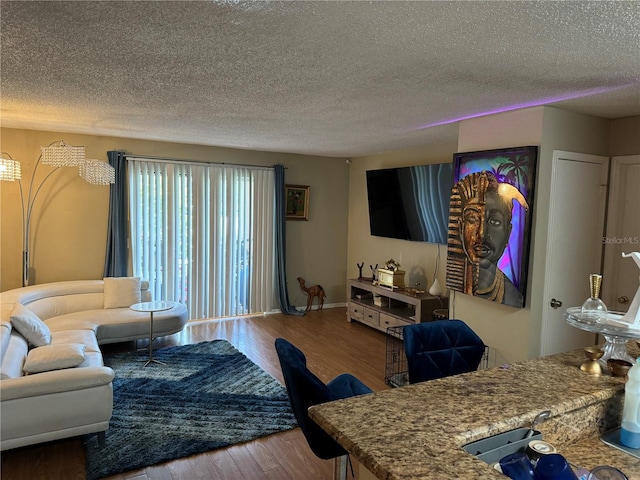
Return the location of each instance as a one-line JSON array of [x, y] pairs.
[[555, 303], [623, 299]]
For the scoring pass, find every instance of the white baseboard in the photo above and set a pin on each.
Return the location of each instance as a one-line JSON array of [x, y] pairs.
[[326, 305]]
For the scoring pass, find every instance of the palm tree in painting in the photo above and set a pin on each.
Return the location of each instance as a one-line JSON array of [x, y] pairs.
[[514, 170]]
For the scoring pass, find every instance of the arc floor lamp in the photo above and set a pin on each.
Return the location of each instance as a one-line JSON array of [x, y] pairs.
[[57, 155]]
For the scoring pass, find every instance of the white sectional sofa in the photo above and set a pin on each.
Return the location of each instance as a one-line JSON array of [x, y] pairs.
[[60, 388]]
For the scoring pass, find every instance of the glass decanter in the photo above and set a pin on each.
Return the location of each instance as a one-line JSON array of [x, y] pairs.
[[594, 309]]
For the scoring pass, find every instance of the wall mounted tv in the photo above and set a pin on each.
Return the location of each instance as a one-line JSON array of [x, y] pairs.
[[410, 203]]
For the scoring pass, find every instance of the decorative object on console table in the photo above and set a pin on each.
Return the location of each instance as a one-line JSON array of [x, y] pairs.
[[363, 296], [436, 288], [57, 154], [297, 202], [413, 291], [365, 279], [391, 276], [380, 301]]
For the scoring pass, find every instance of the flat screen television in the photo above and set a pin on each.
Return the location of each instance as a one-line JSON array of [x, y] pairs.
[[410, 203]]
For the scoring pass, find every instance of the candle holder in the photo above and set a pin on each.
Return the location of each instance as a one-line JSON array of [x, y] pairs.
[[594, 308], [592, 366]]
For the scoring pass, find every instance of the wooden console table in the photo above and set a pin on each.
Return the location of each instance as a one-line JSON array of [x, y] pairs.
[[396, 307]]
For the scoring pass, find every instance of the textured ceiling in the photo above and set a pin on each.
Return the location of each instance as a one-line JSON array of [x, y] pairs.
[[319, 77]]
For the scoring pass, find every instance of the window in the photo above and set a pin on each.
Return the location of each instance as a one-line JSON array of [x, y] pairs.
[[203, 235]]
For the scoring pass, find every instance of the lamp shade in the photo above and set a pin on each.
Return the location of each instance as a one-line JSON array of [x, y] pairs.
[[97, 172], [9, 169], [62, 155]]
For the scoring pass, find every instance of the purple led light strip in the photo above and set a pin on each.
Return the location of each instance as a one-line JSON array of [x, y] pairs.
[[534, 103]]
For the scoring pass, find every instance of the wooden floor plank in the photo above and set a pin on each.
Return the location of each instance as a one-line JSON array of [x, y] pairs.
[[332, 346], [269, 466], [224, 466], [246, 463], [162, 472]]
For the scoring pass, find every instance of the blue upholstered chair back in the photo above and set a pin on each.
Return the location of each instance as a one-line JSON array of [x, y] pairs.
[[441, 348], [305, 390]]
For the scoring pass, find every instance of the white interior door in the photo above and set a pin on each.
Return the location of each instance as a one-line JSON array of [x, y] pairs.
[[620, 277], [574, 248]]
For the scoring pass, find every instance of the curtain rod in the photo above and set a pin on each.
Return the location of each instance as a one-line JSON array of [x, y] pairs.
[[191, 162]]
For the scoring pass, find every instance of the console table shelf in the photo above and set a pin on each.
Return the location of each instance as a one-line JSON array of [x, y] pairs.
[[396, 308]]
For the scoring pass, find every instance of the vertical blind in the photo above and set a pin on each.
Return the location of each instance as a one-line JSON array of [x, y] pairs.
[[203, 235]]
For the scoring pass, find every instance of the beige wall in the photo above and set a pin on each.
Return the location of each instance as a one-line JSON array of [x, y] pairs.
[[70, 216]]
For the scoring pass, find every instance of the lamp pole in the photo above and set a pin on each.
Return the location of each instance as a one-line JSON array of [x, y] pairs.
[[26, 217]]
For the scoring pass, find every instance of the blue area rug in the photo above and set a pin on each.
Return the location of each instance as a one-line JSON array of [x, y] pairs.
[[207, 396]]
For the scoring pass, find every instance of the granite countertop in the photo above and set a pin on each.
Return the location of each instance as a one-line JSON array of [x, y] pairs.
[[416, 432]]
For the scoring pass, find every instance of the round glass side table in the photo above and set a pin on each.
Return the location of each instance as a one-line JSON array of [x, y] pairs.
[[616, 334], [151, 308]]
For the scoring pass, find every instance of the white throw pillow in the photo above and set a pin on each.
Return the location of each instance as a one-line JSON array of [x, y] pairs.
[[121, 291], [34, 330], [54, 357]]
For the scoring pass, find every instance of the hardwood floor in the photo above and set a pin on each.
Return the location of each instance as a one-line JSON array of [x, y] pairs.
[[332, 346]]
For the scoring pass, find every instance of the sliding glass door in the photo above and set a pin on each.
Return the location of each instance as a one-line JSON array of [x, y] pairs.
[[203, 235]]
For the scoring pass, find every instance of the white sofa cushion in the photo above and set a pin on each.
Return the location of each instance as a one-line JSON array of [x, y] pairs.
[[13, 358], [54, 357], [121, 291], [51, 307], [5, 335], [55, 381], [86, 337], [92, 359], [30, 326]]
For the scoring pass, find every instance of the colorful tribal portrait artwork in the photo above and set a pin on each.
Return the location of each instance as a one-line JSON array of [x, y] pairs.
[[490, 223]]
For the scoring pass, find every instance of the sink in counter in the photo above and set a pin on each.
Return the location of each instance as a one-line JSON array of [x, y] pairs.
[[492, 449]]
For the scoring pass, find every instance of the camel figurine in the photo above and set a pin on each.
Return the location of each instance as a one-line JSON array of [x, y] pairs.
[[314, 291]]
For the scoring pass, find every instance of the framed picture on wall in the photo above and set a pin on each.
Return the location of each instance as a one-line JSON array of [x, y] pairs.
[[490, 223], [297, 202]]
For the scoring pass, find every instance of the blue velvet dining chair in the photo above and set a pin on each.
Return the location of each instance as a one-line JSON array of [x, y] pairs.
[[305, 390], [441, 348]]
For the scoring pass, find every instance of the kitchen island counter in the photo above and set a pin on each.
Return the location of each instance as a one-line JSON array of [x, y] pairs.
[[416, 432]]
